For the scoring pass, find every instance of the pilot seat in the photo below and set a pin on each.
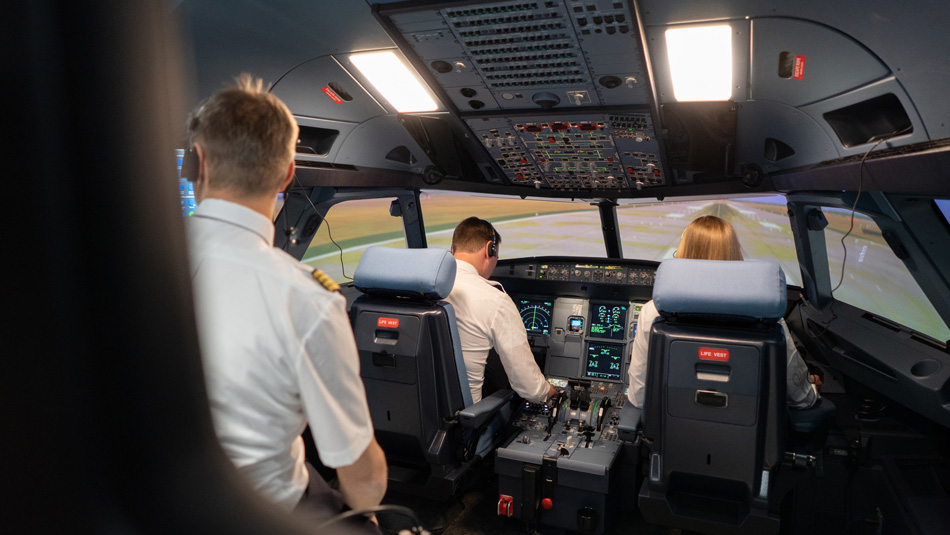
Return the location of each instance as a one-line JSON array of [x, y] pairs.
[[415, 378], [714, 417]]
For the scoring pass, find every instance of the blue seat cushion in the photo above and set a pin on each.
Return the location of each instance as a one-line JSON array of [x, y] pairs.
[[428, 273], [720, 289]]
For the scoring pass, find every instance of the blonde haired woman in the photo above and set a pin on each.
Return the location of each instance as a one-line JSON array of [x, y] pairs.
[[712, 238]]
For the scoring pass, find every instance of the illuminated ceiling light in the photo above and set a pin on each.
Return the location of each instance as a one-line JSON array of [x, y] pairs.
[[400, 86], [701, 62]]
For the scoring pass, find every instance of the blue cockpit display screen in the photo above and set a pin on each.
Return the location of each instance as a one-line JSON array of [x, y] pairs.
[[186, 188], [604, 361], [608, 320], [536, 315]]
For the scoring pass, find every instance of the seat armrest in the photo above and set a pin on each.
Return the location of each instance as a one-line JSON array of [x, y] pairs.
[[629, 422], [476, 415]]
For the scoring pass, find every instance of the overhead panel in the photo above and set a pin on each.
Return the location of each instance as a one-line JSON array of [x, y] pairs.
[[573, 151], [557, 91]]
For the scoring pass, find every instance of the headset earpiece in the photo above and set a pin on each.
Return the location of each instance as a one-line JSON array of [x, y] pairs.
[[492, 250], [189, 165]]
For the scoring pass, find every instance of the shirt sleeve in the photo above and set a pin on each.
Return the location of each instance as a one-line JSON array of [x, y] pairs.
[[511, 342], [801, 393], [331, 390], [637, 372]]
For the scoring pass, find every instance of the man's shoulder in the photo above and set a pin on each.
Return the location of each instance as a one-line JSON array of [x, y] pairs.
[[476, 286]]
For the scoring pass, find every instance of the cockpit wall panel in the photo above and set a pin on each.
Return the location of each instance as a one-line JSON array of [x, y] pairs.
[[376, 142], [777, 136], [321, 88], [888, 88], [800, 62]]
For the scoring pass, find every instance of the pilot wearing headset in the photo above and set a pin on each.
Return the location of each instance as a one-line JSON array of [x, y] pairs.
[[487, 318], [277, 347]]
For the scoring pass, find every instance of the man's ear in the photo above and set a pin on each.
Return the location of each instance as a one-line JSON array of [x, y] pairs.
[[200, 154], [290, 176], [201, 181]]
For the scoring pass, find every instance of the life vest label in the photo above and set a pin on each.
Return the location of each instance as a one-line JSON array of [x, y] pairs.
[[391, 323], [706, 353], [336, 98], [799, 70]]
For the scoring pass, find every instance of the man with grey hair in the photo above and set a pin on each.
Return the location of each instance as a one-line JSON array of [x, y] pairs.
[[277, 348]]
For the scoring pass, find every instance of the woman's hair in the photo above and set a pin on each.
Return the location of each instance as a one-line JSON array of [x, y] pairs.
[[709, 238]]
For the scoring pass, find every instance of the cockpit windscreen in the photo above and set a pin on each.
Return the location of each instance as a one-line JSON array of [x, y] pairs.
[[604, 361], [607, 320], [536, 315], [944, 206]]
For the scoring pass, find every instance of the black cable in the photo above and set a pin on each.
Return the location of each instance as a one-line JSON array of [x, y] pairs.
[[330, 235], [880, 139], [398, 509], [342, 268], [854, 207]]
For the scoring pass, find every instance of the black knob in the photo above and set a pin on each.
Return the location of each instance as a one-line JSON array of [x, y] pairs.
[[546, 100], [587, 521], [610, 82]]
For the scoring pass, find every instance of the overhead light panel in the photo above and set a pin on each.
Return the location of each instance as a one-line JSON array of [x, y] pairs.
[[392, 79], [701, 62]]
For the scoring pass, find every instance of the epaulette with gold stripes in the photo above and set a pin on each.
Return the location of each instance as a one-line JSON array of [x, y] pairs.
[[326, 281]]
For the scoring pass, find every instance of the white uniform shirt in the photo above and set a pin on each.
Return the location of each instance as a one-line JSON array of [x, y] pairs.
[[488, 318], [800, 393], [277, 350]]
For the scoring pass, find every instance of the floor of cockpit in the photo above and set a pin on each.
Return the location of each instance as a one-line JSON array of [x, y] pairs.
[[474, 512]]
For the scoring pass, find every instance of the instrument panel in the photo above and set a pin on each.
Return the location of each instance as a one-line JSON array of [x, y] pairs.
[[581, 338], [614, 274], [582, 315], [580, 312]]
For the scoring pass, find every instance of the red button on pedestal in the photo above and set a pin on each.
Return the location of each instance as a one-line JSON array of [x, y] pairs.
[[547, 503]]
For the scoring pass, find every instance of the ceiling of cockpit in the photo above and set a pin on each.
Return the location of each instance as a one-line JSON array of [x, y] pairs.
[[554, 97]]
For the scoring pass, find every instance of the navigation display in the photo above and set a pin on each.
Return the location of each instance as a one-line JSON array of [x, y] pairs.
[[536, 315], [607, 320], [604, 361], [186, 188]]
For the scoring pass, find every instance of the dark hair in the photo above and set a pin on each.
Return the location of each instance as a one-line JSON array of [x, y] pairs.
[[471, 234]]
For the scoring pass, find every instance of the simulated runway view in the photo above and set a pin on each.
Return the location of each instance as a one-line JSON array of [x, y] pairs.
[[875, 279]]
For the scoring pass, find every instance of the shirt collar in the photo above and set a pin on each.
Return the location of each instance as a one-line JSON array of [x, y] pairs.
[[237, 215], [465, 266], [468, 268]]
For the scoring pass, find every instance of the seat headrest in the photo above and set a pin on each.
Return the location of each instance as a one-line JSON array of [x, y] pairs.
[[428, 273], [720, 289]]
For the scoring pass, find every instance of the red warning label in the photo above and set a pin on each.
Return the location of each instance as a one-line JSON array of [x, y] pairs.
[[392, 323], [707, 353], [336, 98], [799, 71]]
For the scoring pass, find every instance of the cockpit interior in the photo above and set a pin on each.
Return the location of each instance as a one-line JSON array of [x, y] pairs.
[[590, 133]]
